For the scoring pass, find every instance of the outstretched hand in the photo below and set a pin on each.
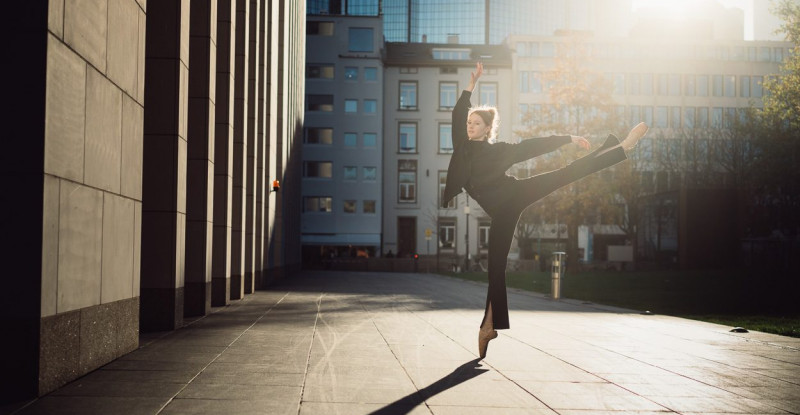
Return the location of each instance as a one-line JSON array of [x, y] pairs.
[[478, 72], [474, 76], [581, 142]]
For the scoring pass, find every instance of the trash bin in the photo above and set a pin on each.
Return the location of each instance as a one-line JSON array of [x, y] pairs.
[[557, 271]]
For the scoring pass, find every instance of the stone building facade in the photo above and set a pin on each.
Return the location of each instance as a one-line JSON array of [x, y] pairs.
[[146, 137]]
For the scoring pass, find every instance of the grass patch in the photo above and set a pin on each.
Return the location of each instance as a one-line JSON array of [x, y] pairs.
[[767, 302]]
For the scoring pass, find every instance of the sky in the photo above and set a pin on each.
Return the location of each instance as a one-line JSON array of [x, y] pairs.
[[682, 8]]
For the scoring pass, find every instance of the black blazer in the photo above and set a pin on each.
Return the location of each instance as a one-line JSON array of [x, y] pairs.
[[487, 162]]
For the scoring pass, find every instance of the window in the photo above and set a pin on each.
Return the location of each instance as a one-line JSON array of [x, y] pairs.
[[445, 138], [662, 84], [407, 69], [717, 85], [319, 102], [744, 86], [689, 85], [619, 84], [674, 84], [730, 85], [317, 204], [360, 39], [635, 84], [729, 117], [447, 233], [370, 173], [756, 90], [675, 117], [350, 173], [349, 206], [370, 106], [447, 95], [370, 139], [351, 73], [370, 73], [451, 54], [321, 169], [319, 71], [483, 235], [635, 115], [442, 183], [778, 54], [351, 106], [368, 206], [350, 139], [319, 28], [764, 54], [716, 117], [702, 117], [319, 135], [408, 138], [488, 92], [524, 85], [647, 115], [647, 84], [688, 117], [408, 95], [661, 117], [702, 85], [407, 181]]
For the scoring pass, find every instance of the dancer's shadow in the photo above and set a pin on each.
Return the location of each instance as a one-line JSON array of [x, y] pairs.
[[459, 375]]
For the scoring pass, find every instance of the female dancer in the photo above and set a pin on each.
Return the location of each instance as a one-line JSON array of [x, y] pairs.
[[479, 165]]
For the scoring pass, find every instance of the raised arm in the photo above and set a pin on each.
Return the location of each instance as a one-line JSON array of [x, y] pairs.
[[461, 110]]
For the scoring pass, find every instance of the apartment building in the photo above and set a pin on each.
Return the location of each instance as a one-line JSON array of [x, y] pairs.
[[422, 83], [343, 138]]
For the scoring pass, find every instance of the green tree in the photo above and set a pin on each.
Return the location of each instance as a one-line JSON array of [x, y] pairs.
[[580, 103], [778, 137]]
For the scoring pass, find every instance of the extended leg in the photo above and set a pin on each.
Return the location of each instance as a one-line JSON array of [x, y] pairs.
[[537, 187]]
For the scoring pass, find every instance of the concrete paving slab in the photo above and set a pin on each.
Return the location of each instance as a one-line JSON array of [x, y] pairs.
[[359, 343]]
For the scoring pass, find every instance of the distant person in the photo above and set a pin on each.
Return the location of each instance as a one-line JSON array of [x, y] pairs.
[[478, 165], [390, 254]]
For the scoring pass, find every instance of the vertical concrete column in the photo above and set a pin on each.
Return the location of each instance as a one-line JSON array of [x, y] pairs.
[[200, 155], [271, 140], [293, 171], [239, 148], [223, 154], [261, 185], [165, 150], [252, 147]]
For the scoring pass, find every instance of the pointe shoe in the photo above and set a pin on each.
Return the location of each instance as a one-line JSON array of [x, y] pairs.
[[634, 136], [483, 340]]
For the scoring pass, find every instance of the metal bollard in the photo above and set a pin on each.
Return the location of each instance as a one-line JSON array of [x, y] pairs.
[[557, 271]]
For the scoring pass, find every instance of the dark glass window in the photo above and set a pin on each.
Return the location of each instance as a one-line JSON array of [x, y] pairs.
[[360, 39]]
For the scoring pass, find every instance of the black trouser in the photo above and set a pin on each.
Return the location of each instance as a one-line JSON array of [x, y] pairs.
[[523, 193]]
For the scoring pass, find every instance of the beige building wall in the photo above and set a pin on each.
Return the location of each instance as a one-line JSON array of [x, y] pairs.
[[424, 211], [104, 202], [92, 185]]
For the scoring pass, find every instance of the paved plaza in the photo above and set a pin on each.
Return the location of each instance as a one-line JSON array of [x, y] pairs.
[[382, 343]]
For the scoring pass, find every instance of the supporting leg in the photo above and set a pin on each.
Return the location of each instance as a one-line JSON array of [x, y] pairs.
[[501, 233]]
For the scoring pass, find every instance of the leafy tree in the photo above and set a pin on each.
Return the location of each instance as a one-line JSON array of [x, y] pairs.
[[777, 138], [580, 103]]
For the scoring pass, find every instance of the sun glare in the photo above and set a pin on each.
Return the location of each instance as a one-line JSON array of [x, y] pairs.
[[675, 9]]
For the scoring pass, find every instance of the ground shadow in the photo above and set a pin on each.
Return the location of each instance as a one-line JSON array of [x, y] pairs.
[[407, 403]]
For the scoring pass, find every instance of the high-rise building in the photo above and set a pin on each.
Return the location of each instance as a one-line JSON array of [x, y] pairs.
[[491, 21], [343, 137]]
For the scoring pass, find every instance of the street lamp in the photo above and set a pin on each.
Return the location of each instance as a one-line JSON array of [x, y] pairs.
[[466, 237]]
